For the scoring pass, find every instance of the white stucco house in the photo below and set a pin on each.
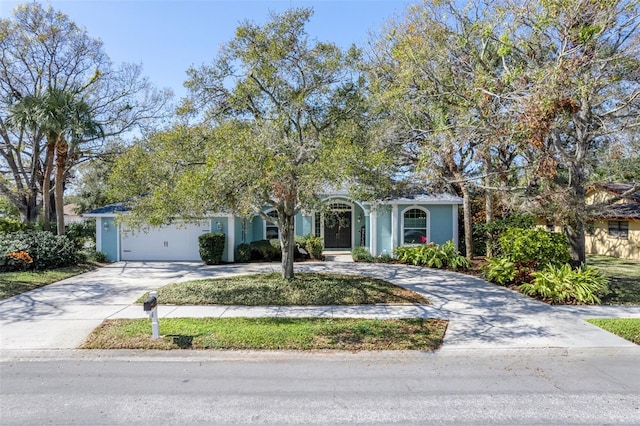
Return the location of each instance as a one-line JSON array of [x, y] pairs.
[[379, 226]]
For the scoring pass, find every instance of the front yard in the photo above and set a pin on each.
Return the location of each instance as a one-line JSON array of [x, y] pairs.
[[624, 279], [13, 283]]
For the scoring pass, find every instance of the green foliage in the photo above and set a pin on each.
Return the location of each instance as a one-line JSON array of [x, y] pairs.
[[563, 284], [283, 120], [81, 232], [627, 328], [100, 257], [361, 254], [433, 256], [8, 225], [313, 245], [383, 258], [265, 250], [243, 253], [500, 270], [211, 247], [45, 249], [483, 232], [535, 244]]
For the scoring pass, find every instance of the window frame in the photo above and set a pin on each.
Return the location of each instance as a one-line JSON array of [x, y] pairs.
[[618, 231], [267, 224], [427, 228]]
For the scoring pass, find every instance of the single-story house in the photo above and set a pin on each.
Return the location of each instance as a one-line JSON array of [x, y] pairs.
[[614, 230], [379, 226]]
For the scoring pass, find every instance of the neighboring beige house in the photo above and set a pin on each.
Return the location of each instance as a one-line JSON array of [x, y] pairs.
[[615, 229]]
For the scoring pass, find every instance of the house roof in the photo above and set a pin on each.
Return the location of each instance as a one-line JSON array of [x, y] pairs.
[[619, 211], [619, 188], [109, 210], [425, 198]]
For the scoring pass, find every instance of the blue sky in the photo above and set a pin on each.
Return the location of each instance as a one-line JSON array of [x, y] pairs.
[[168, 36]]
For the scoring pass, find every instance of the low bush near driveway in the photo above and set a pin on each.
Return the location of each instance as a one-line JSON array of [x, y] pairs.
[[585, 285]]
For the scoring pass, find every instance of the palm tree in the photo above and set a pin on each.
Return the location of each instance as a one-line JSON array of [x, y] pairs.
[[62, 118]]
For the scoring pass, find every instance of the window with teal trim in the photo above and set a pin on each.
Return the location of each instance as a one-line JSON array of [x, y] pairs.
[[414, 227]]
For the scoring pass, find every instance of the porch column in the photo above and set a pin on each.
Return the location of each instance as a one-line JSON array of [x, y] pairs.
[[231, 238], [454, 220], [374, 232], [394, 227]]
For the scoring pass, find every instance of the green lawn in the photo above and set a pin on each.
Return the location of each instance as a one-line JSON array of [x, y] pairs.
[[272, 290], [624, 279], [627, 328], [12, 283], [349, 334]]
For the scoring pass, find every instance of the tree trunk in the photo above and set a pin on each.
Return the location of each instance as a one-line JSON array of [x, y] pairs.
[[468, 229], [61, 164], [287, 243], [46, 183], [488, 203]]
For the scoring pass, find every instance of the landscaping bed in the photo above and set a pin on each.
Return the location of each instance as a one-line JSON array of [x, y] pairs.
[[306, 289]]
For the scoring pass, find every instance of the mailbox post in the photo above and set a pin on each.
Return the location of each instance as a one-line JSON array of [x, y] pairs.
[[151, 306]]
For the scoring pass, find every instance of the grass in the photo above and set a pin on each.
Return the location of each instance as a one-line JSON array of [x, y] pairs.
[[349, 334], [627, 328], [272, 290], [13, 283], [624, 279]]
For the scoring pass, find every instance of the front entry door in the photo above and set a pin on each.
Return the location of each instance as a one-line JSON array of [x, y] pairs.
[[337, 230]]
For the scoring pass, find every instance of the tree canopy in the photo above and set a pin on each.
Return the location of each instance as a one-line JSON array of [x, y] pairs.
[[45, 55], [282, 121]]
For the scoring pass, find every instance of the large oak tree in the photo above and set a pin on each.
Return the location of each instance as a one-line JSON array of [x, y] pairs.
[[282, 121]]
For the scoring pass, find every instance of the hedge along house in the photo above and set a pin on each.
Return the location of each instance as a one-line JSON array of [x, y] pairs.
[[380, 226]]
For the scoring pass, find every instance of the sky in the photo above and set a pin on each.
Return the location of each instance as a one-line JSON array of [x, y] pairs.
[[169, 36]]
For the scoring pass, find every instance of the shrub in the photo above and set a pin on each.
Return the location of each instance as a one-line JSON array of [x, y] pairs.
[[493, 230], [81, 232], [538, 245], [361, 254], [433, 256], [500, 270], [566, 285], [243, 253], [45, 249], [8, 225], [100, 257], [383, 258], [265, 250], [211, 247], [313, 245]]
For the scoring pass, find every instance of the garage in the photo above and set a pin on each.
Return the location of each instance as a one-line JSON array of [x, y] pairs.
[[176, 242]]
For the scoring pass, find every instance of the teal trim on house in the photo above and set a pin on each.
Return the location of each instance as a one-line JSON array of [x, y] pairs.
[[109, 238]]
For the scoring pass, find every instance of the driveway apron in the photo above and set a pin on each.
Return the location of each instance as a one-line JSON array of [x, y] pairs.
[[481, 315]]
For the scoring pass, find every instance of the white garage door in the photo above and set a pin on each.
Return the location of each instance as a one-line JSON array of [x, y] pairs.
[[172, 242]]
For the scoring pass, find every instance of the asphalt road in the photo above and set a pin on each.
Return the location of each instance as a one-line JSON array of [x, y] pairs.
[[456, 387]]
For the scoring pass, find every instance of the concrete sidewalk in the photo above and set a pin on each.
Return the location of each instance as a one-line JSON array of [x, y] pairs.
[[481, 315]]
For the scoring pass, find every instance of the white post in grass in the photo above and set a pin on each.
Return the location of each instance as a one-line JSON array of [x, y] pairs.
[[151, 306]]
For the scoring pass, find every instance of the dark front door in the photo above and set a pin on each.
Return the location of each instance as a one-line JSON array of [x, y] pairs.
[[337, 230]]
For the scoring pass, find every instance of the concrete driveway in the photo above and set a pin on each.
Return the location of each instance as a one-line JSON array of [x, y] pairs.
[[482, 316]]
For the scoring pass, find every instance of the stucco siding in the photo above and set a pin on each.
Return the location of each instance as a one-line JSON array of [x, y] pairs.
[[109, 238], [602, 243], [383, 232]]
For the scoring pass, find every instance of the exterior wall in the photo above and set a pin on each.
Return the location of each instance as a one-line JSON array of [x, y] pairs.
[[359, 220], [108, 238], [602, 243], [440, 222], [306, 225], [257, 226], [383, 231], [229, 245]]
